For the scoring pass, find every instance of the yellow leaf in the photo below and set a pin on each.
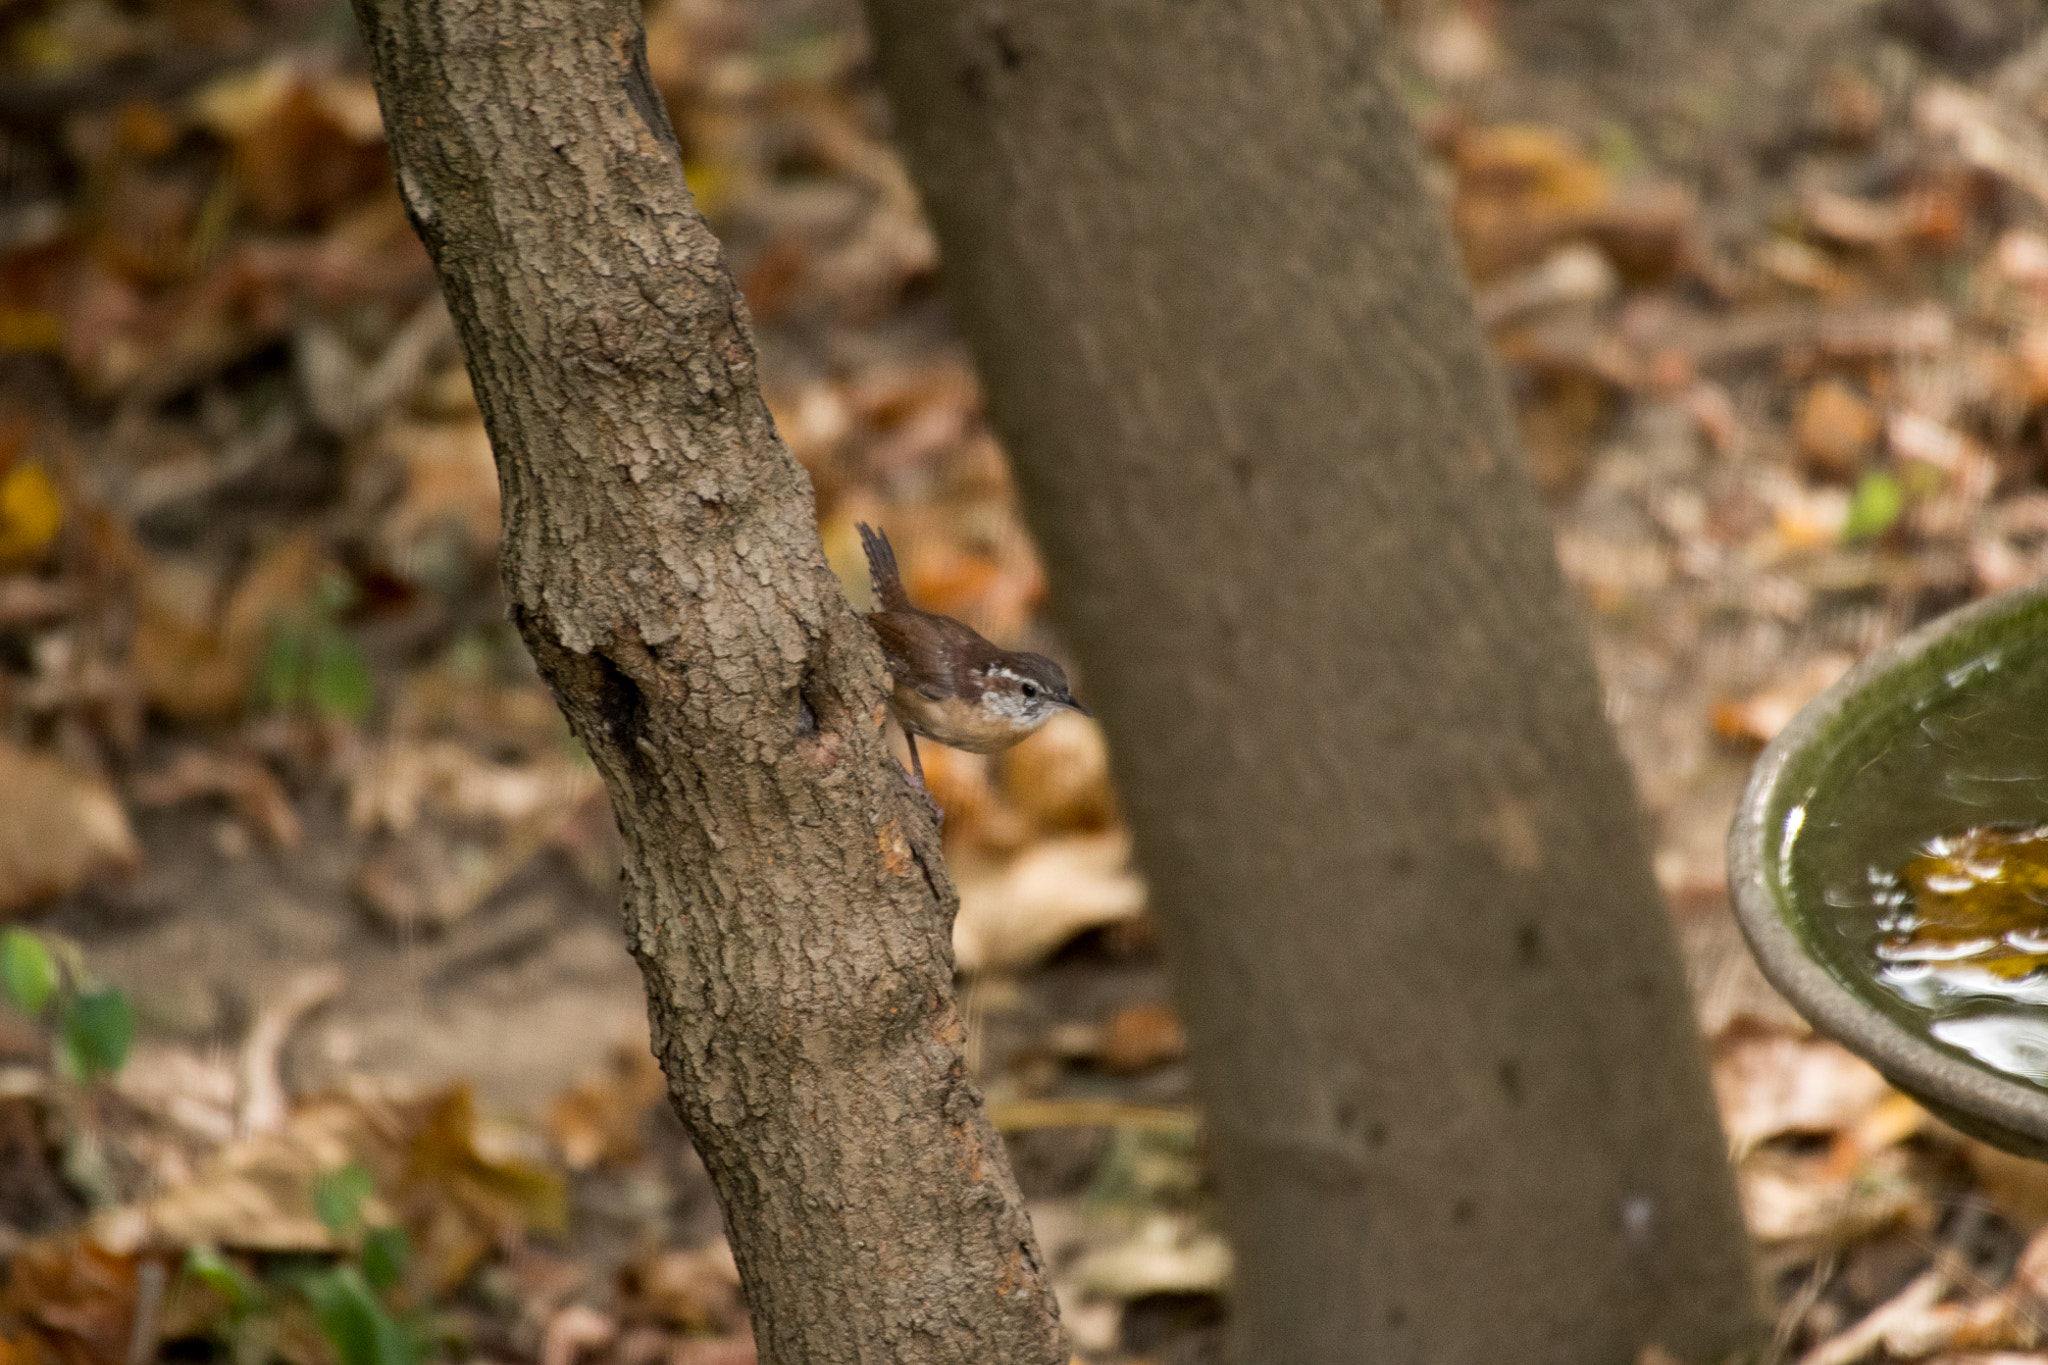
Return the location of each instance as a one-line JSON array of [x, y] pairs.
[[30, 514], [30, 329]]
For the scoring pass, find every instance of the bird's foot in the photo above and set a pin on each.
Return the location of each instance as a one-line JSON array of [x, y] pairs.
[[915, 781]]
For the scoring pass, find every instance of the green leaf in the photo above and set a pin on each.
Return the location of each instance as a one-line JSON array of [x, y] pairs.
[[279, 682], [27, 970], [219, 1274], [385, 1254], [354, 1322], [339, 1196], [1875, 506], [98, 1028], [341, 684]]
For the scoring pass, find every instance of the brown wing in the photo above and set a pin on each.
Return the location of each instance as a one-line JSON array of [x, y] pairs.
[[941, 643]]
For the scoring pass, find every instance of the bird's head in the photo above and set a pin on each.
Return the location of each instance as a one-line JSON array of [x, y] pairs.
[[1025, 690]]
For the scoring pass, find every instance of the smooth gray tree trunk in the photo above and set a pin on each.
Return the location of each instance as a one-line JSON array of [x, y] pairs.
[[783, 891], [1454, 1097]]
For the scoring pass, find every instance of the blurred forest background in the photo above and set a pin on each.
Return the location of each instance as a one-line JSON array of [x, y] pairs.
[[321, 1043]]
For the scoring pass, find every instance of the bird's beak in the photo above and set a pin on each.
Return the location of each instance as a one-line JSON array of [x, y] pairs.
[[1074, 705]]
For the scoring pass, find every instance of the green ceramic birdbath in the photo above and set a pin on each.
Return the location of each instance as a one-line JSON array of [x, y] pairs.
[[1890, 866]]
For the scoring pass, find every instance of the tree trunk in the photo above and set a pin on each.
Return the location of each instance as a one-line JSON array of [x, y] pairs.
[[782, 887], [1455, 1102]]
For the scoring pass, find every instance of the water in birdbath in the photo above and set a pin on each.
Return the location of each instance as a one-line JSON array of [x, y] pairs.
[[1923, 858]]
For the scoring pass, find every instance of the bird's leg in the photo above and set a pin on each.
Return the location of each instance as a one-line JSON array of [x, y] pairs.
[[917, 780]]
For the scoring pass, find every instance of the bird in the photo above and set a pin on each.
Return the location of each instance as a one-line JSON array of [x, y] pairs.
[[947, 683]]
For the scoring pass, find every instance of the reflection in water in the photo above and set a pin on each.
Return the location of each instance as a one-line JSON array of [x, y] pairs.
[[1921, 854], [1965, 938]]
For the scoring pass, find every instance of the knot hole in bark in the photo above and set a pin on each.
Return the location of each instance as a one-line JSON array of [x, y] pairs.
[[621, 708]]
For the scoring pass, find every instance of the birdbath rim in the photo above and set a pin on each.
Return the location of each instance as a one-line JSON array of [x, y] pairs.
[[2005, 1111]]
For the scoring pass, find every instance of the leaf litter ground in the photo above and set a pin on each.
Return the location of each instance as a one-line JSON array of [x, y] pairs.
[[274, 773]]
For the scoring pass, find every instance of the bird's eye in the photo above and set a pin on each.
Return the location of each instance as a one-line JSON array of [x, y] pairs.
[[1030, 690]]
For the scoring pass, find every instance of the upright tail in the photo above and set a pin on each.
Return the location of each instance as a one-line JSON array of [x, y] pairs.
[[888, 579]]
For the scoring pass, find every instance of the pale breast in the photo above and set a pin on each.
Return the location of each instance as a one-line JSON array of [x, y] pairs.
[[954, 723]]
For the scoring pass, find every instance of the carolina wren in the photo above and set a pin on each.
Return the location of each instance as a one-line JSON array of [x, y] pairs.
[[948, 683]]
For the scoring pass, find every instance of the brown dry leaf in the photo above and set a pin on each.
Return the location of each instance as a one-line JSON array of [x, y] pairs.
[[451, 486], [478, 1165], [1521, 187], [1646, 231], [1012, 916], [1772, 1084], [58, 826], [1139, 1038], [1834, 429], [430, 877], [2016, 1186], [1573, 274], [196, 657], [600, 1119], [1060, 776], [737, 1349], [348, 394], [194, 1093], [1166, 1254], [303, 145], [691, 1291], [573, 1331], [1989, 137], [1789, 1198], [247, 784], [979, 814], [77, 1297], [1877, 226], [389, 790], [257, 1194], [1558, 422], [1757, 718], [1805, 267]]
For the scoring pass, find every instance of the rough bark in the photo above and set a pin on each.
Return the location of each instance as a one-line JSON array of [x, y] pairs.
[[782, 889], [1456, 1104]]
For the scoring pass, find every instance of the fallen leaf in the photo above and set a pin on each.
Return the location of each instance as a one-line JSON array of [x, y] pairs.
[[1167, 1254], [1757, 718], [691, 1291], [257, 1193], [1834, 429], [58, 826], [575, 1330], [303, 145], [1060, 775], [388, 791], [1788, 1198], [600, 1119], [196, 656], [31, 514], [1770, 1085], [1139, 1038], [77, 1297], [247, 784], [451, 488], [1012, 916], [1520, 188], [459, 1157]]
